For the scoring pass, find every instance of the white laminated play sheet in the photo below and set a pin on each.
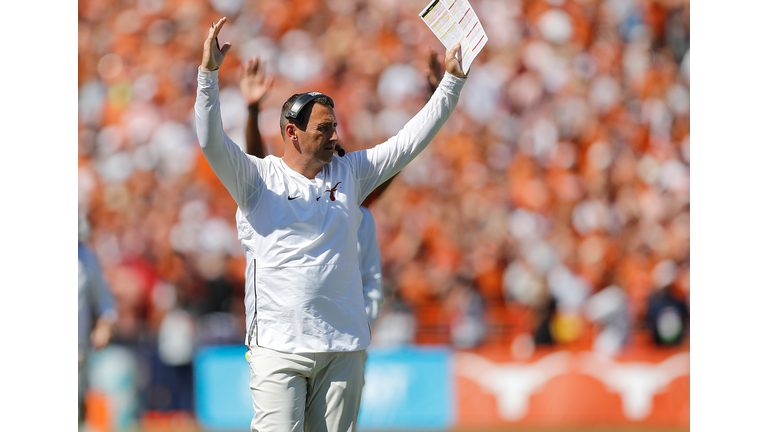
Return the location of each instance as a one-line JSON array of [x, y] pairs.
[[453, 21]]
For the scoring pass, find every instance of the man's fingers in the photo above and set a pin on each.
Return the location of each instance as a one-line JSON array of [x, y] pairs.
[[452, 53], [225, 48], [209, 39], [216, 30], [453, 61], [218, 26], [213, 54], [213, 32]]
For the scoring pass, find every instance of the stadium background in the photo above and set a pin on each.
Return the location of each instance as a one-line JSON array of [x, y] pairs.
[[547, 226]]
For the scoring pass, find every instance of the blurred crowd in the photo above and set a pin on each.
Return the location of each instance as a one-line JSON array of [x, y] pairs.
[[552, 208]]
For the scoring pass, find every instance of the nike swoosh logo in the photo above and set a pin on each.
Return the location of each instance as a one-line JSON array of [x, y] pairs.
[[291, 198]]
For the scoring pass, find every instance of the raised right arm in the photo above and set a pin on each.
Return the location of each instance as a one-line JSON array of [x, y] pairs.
[[233, 167]]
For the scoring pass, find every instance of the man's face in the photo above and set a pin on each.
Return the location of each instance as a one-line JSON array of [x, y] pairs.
[[319, 139]]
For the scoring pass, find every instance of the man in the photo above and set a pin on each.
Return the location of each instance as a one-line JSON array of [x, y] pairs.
[[254, 86], [310, 328]]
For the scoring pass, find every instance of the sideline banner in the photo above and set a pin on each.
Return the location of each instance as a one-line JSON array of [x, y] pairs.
[[423, 388], [222, 392], [408, 388], [563, 389]]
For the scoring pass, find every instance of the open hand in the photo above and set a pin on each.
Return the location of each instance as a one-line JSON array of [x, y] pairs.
[[452, 64], [254, 84], [212, 55]]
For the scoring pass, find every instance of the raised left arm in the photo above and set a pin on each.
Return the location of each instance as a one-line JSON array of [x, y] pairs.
[[383, 161]]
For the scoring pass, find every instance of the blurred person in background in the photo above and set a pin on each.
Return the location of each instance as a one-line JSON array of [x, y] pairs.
[[95, 312], [397, 325], [466, 324], [667, 315], [312, 328], [545, 314], [608, 310]]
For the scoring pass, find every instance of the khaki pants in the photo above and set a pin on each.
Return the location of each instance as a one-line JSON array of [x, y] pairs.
[[305, 392]]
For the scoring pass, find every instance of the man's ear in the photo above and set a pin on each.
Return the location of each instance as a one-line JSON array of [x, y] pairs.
[[290, 132]]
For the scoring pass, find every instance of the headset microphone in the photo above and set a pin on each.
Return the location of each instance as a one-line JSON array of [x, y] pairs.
[[340, 151]]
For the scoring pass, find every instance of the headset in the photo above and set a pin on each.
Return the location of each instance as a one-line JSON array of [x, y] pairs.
[[300, 103]]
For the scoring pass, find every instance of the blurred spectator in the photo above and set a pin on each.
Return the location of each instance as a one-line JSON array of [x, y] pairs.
[[545, 315], [667, 317], [396, 325], [466, 311], [95, 312], [667, 313], [609, 310]]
